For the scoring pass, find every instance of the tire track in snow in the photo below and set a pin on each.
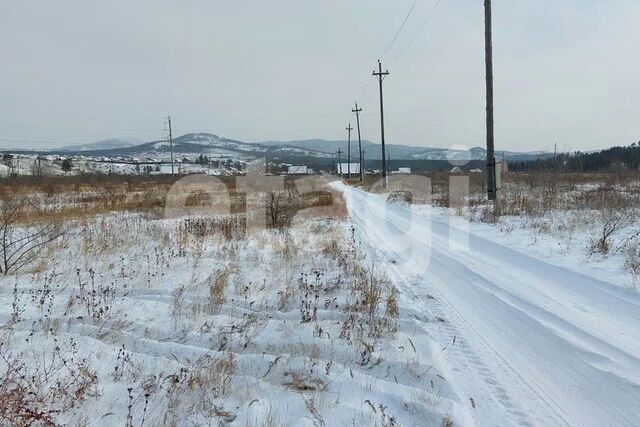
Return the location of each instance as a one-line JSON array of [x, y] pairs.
[[487, 390], [564, 374]]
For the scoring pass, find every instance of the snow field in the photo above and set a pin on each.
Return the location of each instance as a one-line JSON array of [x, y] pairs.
[[133, 320]]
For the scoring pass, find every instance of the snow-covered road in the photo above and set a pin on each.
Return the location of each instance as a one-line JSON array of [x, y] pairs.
[[527, 342]]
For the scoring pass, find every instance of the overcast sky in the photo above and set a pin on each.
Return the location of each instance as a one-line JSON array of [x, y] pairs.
[[80, 71]]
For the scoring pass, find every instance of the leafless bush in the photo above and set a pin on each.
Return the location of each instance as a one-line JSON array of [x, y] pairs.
[[371, 296], [21, 241], [193, 389], [213, 374], [404, 197], [97, 299], [370, 287], [632, 263], [447, 421], [34, 390], [613, 220]]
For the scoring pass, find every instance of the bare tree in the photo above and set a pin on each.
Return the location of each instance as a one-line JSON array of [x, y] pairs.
[[275, 207], [21, 241]]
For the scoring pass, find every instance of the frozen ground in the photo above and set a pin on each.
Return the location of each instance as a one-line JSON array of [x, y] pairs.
[[400, 315], [133, 320], [535, 336]]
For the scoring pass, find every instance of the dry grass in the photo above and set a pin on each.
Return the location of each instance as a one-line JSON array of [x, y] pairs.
[[302, 382], [217, 286], [33, 392]]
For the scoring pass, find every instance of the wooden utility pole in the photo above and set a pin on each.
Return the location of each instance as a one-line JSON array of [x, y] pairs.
[[339, 163], [357, 111], [491, 160], [171, 145], [349, 129], [381, 75]]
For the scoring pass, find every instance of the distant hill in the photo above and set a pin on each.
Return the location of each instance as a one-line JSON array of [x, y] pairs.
[[214, 146], [211, 145], [405, 152], [372, 151]]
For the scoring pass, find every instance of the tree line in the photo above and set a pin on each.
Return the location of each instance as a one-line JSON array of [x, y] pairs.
[[612, 159]]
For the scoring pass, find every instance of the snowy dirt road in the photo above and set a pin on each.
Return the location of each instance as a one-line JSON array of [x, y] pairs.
[[527, 342]]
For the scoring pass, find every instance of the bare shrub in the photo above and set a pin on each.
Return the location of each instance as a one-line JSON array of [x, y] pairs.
[[403, 197], [20, 241], [34, 392], [193, 389], [370, 298], [217, 286], [369, 288], [447, 421], [613, 220], [482, 212], [213, 374], [632, 263], [392, 311]]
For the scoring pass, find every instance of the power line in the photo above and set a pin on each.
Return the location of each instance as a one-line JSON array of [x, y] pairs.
[[366, 86], [395, 37], [424, 23], [429, 15], [413, 5], [422, 26]]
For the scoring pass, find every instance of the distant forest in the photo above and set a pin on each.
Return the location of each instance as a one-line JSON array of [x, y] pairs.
[[615, 158]]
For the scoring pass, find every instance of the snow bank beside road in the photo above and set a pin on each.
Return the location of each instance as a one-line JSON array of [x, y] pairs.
[[536, 343]]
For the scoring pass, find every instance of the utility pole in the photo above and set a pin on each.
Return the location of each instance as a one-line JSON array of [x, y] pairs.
[[349, 129], [357, 111], [362, 166], [339, 164], [491, 160], [381, 75], [171, 145]]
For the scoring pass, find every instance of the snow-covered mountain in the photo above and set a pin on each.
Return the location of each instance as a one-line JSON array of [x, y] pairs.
[[215, 146], [406, 152], [210, 145]]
